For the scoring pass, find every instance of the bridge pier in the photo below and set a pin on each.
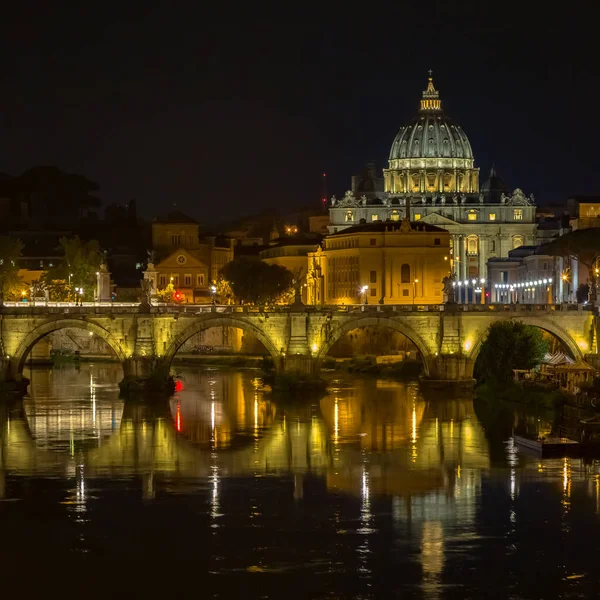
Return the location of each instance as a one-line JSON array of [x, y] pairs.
[[11, 381], [146, 374], [450, 372], [300, 363]]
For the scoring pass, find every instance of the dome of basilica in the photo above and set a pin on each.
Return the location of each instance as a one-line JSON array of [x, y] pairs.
[[432, 134]]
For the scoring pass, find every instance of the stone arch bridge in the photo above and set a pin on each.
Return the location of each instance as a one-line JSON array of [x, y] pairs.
[[448, 337]]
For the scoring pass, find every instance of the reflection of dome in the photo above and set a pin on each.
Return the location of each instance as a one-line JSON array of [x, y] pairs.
[[432, 134]]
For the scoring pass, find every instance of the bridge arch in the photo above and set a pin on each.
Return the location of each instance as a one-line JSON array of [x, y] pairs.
[[34, 336], [221, 320], [348, 325], [558, 332]]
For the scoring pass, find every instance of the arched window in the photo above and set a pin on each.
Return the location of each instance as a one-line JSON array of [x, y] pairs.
[[517, 241], [395, 216], [472, 244], [405, 273]]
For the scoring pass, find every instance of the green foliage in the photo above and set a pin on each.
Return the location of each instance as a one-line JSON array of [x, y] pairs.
[[10, 250], [509, 345], [583, 244], [166, 294], [256, 282], [78, 270]]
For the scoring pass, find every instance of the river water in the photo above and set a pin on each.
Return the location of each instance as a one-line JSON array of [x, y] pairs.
[[227, 492]]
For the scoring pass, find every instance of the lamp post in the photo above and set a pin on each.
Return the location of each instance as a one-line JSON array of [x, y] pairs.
[[414, 290], [565, 278], [213, 291], [363, 290]]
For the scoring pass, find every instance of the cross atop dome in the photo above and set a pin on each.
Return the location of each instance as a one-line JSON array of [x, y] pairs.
[[431, 97]]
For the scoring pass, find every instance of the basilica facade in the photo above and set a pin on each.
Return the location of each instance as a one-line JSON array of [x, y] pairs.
[[432, 177]]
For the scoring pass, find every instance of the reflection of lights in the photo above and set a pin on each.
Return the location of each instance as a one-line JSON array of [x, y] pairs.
[[583, 345], [255, 416], [468, 345], [178, 417], [413, 438], [336, 422]]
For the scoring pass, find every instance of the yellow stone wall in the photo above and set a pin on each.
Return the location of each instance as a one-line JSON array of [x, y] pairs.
[[349, 261]]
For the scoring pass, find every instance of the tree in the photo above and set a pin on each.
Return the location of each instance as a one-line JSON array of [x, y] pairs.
[[582, 244], [82, 261], [254, 281], [10, 251], [509, 345]]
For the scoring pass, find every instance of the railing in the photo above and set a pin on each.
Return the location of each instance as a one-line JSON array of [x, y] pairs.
[[13, 308]]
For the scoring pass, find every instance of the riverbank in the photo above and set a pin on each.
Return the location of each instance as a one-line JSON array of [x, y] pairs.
[[368, 365]]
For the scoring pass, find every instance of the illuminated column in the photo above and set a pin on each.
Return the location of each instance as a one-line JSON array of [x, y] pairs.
[[463, 257], [483, 255]]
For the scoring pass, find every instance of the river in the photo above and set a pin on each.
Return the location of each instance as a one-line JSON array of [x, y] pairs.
[[226, 492]]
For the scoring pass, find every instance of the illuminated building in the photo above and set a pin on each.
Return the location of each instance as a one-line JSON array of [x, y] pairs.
[[431, 176], [386, 263], [189, 264]]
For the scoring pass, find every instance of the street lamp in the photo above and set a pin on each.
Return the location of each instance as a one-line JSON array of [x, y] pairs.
[[415, 289], [363, 290], [213, 291]]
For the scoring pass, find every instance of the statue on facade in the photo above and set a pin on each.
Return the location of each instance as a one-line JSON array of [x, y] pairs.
[[481, 198], [151, 256], [333, 200], [503, 198], [443, 200], [454, 199], [463, 198], [433, 199], [423, 199], [363, 200], [448, 289]]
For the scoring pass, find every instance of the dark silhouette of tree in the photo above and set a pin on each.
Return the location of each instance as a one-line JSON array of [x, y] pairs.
[[254, 281], [50, 195], [582, 244], [10, 250], [509, 345]]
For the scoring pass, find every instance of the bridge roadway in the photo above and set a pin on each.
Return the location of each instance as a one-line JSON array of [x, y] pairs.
[[145, 339]]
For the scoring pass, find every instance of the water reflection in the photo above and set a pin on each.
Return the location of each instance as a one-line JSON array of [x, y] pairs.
[[368, 479]]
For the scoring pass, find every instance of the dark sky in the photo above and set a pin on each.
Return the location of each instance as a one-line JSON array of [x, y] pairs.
[[226, 111]]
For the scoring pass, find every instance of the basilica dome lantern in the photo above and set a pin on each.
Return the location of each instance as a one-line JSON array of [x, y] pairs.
[[431, 155]]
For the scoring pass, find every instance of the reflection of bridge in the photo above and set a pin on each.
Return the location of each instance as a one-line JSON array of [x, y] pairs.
[[422, 457], [448, 340]]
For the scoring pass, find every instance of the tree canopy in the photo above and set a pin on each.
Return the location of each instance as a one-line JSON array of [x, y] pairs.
[[254, 281], [10, 251], [584, 245], [78, 269], [509, 345]]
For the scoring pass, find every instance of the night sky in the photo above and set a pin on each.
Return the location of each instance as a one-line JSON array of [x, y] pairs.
[[228, 111]]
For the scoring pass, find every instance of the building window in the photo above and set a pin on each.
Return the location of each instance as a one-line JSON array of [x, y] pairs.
[[517, 241], [373, 291], [375, 217], [417, 216], [372, 241], [436, 241], [176, 239], [493, 245], [472, 216], [187, 280], [405, 292], [373, 277], [472, 244], [405, 273], [162, 281], [518, 214], [349, 216], [492, 216], [191, 240], [395, 216], [175, 280], [200, 280]]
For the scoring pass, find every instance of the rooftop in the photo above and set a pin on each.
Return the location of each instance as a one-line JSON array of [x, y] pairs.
[[391, 226]]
